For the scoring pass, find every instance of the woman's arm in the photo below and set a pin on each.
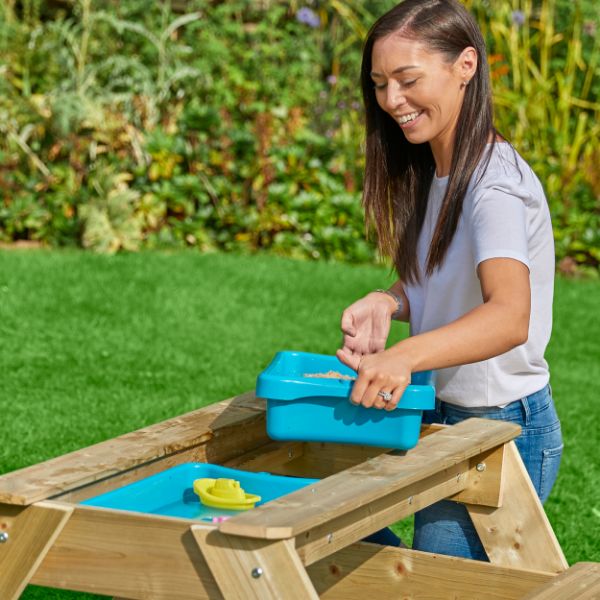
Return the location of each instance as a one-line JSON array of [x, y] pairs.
[[493, 328]]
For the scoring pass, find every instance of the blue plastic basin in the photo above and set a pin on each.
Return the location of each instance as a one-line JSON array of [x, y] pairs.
[[171, 493], [304, 408]]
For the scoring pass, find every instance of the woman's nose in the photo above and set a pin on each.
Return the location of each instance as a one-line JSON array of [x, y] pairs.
[[394, 96]]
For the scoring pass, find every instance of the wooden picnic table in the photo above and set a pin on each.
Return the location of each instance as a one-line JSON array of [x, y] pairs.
[[302, 545]]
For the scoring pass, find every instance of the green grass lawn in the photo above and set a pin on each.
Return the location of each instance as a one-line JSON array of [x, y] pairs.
[[95, 346]]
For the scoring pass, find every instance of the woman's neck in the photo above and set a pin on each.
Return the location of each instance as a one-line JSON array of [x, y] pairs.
[[442, 150], [442, 155]]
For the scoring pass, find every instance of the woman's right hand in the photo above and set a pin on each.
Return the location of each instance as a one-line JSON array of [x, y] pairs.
[[366, 326]]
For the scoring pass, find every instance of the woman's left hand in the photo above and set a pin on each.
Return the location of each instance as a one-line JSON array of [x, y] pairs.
[[386, 372]]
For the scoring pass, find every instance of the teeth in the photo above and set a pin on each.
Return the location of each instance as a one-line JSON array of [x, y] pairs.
[[407, 118]]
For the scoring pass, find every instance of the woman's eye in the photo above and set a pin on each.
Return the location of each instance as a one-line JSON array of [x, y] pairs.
[[380, 86], [409, 83]]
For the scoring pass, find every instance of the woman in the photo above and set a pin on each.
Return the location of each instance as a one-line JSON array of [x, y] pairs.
[[466, 222]]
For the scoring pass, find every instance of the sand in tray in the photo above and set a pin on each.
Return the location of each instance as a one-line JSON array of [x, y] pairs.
[[330, 375]]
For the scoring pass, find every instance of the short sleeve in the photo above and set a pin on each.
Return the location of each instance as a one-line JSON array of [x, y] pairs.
[[499, 227]]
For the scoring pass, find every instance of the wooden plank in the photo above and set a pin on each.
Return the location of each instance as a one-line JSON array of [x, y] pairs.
[[342, 493], [518, 534], [321, 460], [272, 457], [486, 478], [218, 428], [327, 538], [127, 555], [230, 442], [195, 454], [31, 534], [580, 582], [296, 459], [249, 569], [313, 460], [363, 571], [429, 428]]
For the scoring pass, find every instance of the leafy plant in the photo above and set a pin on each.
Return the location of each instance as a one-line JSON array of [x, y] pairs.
[[239, 126]]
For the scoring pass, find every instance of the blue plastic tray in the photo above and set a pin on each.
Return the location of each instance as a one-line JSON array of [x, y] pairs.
[[318, 409], [171, 492]]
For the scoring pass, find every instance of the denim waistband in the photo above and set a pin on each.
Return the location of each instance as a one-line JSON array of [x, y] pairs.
[[524, 407]]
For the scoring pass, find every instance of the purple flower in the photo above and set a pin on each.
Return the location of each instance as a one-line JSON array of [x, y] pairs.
[[518, 17], [589, 28], [308, 17], [331, 79], [355, 105]]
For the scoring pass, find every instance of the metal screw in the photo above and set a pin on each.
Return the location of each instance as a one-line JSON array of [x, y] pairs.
[[329, 538], [3, 537], [257, 572], [480, 467], [410, 499], [290, 453]]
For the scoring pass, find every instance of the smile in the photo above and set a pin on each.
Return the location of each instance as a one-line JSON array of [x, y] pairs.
[[408, 118]]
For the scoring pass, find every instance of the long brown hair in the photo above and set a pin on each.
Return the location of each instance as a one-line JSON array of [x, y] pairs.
[[398, 174]]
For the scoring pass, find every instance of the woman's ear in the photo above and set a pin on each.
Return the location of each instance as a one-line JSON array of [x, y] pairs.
[[466, 64]]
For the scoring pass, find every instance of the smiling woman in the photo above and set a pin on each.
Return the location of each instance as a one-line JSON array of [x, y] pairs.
[[425, 97], [466, 222]]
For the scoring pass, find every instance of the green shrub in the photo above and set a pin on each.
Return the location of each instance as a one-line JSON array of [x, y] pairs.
[[238, 125]]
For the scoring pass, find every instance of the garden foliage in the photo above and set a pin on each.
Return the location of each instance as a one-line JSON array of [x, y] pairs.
[[238, 125]]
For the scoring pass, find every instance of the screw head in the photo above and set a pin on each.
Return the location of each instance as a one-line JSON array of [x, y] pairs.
[[3, 537], [480, 467], [256, 572]]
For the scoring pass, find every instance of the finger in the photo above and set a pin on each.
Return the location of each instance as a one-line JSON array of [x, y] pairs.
[[360, 385], [347, 324], [356, 345], [366, 386], [371, 396], [349, 359], [396, 397], [380, 403], [350, 345]]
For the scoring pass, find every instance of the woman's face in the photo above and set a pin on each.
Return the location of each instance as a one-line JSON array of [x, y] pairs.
[[419, 89]]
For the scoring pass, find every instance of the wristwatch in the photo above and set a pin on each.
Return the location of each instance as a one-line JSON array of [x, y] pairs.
[[399, 302]]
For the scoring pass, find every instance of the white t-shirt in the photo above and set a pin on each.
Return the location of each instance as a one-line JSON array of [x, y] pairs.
[[505, 214]]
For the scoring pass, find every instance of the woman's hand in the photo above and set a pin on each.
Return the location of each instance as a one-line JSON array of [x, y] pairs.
[[366, 326], [387, 371]]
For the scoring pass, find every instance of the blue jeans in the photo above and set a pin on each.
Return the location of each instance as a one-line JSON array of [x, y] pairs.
[[446, 527]]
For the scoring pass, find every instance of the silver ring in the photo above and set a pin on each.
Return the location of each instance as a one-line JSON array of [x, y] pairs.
[[387, 396]]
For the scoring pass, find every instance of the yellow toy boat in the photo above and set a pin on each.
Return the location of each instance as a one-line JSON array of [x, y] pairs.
[[224, 493]]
